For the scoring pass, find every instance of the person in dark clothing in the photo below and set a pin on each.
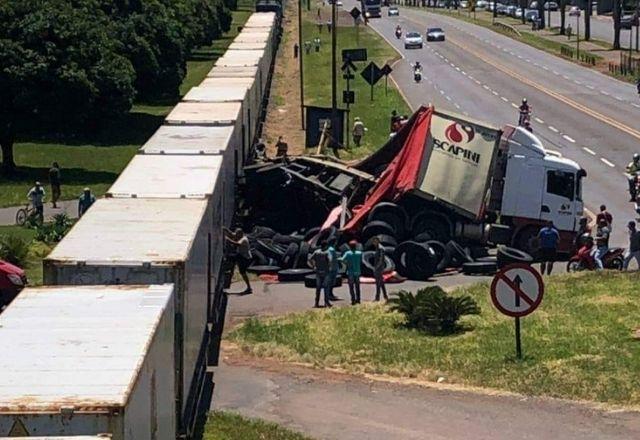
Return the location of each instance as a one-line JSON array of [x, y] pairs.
[[54, 181], [634, 245], [243, 254], [85, 201], [604, 215], [320, 260], [379, 264], [334, 268], [296, 48], [583, 230], [548, 237], [281, 147]]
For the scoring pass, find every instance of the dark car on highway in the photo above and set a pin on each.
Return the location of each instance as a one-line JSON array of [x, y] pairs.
[[435, 34]]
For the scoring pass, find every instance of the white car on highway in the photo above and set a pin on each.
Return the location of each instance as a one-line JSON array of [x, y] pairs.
[[413, 39]]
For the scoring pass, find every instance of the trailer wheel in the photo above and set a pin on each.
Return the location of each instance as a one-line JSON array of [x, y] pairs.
[[508, 255], [289, 259], [416, 261], [377, 227], [438, 247], [303, 256], [479, 268], [435, 226], [392, 214], [526, 240]]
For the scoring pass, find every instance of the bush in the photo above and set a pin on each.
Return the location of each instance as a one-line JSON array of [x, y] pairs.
[[432, 310], [55, 231], [14, 250]]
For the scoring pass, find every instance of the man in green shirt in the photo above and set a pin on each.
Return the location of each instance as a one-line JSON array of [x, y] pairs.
[[353, 259]]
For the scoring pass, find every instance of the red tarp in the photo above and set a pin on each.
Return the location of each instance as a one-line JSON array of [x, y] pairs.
[[402, 173]]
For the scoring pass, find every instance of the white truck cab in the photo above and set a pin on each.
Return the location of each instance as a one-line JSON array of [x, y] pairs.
[[540, 184]]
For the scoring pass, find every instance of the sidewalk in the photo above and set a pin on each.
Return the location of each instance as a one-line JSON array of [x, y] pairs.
[[8, 215]]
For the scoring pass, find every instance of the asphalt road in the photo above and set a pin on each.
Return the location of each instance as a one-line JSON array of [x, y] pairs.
[[580, 113]]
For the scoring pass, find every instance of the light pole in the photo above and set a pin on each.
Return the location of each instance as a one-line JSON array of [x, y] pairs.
[[300, 63], [334, 80]]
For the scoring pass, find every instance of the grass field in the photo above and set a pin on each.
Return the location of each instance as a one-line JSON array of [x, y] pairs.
[[230, 426], [577, 345], [37, 251], [95, 160], [317, 77]]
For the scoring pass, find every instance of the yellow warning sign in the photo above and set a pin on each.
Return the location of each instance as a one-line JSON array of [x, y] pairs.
[[18, 429]]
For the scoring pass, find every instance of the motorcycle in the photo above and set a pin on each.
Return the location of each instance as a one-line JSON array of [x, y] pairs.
[[583, 260], [525, 118], [417, 75], [398, 33]]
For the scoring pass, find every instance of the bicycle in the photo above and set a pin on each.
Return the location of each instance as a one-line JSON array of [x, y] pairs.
[[26, 213]]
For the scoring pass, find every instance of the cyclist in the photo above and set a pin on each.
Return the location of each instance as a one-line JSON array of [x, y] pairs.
[[36, 197]]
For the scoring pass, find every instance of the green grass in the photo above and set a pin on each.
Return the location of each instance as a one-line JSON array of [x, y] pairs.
[[577, 345], [317, 77], [229, 426], [37, 251], [96, 159]]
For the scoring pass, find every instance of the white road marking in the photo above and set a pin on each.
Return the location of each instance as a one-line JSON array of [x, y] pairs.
[[463, 72], [457, 106], [570, 139], [554, 129], [589, 86], [556, 73], [494, 92], [545, 67], [635, 105], [619, 98], [448, 98], [470, 77], [520, 56], [442, 92], [589, 150], [539, 121], [477, 82], [606, 162], [528, 60], [604, 92], [458, 69], [577, 82], [514, 105], [504, 99], [486, 87]]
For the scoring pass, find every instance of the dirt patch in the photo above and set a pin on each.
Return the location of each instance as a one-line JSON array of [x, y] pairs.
[[283, 113]]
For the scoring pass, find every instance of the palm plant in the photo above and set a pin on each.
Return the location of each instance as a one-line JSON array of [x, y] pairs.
[[14, 250]]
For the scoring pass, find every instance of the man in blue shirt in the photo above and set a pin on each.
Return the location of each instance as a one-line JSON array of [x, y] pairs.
[[353, 260], [548, 238]]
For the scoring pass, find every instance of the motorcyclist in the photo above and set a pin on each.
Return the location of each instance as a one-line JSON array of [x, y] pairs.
[[398, 31], [632, 170], [417, 71], [525, 112]]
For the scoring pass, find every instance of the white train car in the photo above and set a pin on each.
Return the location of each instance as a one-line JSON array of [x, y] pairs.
[[89, 360], [248, 58], [149, 241]]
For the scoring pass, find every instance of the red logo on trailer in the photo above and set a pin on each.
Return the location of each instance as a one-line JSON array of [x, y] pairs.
[[517, 290], [457, 133]]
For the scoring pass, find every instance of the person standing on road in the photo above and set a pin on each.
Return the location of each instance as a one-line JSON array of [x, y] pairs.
[[54, 181], [606, 216], [379, 265], [358, 131], [633, 168], [634, 246], [36, 196], [334, 268], [583, 230], [85, 201], [353, 260], [281, 147], [602, 243], [320, 261], [548, 238], [243, 254]]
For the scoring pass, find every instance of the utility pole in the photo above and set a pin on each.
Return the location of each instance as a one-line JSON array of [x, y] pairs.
[[300, 63], [334, 79]]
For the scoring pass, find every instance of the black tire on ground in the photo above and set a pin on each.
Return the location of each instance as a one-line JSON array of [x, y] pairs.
[[376, 227], [293, 275], [367, 263], [263, 269], [438, 247], [479, 268], [289, 258], [392, 214], [423, 237], [385, 240], [433, 225], [416, 261], [460, 255], [478, 252], [258, 258], [310, 281], [508, 255], [454, 256], [302, 260]]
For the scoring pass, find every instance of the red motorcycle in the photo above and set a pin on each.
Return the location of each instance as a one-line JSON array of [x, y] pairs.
[[583, 260]]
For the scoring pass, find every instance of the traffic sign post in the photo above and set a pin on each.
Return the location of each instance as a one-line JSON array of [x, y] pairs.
[[517, 291], [348, 97], [386, 71], [372, 75]]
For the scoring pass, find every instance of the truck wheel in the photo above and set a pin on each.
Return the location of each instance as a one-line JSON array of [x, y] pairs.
[[262, 232], [416, 261], [303, 256], [438, 247], [436, 227], [377, 227], [423, 237], [289, 258], [479, 268], [392, 214], [526, 241], [508, 255]]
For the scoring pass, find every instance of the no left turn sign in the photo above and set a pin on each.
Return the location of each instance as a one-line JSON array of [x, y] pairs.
[[517, 290]]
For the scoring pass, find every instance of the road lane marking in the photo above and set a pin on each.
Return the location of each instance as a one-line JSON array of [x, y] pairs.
[[514, 105], [589, 150], [495, 93], [539, 121], [604, 92], [486, 87], [570, 139], [589, 86], [635, 105], [448, 98], [504, 99], [554, 129], [606, 162]]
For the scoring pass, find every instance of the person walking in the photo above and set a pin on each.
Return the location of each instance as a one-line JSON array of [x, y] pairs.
[[316, 44], [358, 131], [36, 197], [379, 264], [606, 215], [353, 260], [307, 47], [54, 181], [281, 147], [334, 267], [85, 201], [548, 237], [321, 262], [634, 246], [243, 257], [296, 48]]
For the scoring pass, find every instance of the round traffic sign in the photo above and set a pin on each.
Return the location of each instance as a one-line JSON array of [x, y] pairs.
[[517, 290]]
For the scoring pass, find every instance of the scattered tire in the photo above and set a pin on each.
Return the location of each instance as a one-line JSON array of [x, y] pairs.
[[310, 281], [509, 255], [489, 259], [258, 258], [289, 258], [478, 252], [293, 275], [391, 214], [438, 247], [423, 237], [368, 263], [302, 259], [385, 240], [284, 239], [435, 226], [376, 227], [263, 269], [269, 250], [479, 268], [454, 256], [416, 261]]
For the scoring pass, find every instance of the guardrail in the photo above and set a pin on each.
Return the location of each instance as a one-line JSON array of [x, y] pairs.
[[507, 27]]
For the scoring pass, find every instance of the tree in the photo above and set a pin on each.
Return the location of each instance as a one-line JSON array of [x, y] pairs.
[[563, 19], [587, 20], [541, 14], [59, 70], [617, 15]]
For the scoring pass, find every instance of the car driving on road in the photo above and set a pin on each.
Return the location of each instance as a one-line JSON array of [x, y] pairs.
[[393, 11], [412, 40], [435, 34]]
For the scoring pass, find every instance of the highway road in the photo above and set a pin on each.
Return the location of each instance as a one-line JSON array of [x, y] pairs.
[[582, 114]]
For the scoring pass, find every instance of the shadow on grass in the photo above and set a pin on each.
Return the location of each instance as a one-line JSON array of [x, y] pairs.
[[134, 128], [72, 176]]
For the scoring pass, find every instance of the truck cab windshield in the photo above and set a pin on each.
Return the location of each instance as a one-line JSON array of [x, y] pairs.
[[563, 184]]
